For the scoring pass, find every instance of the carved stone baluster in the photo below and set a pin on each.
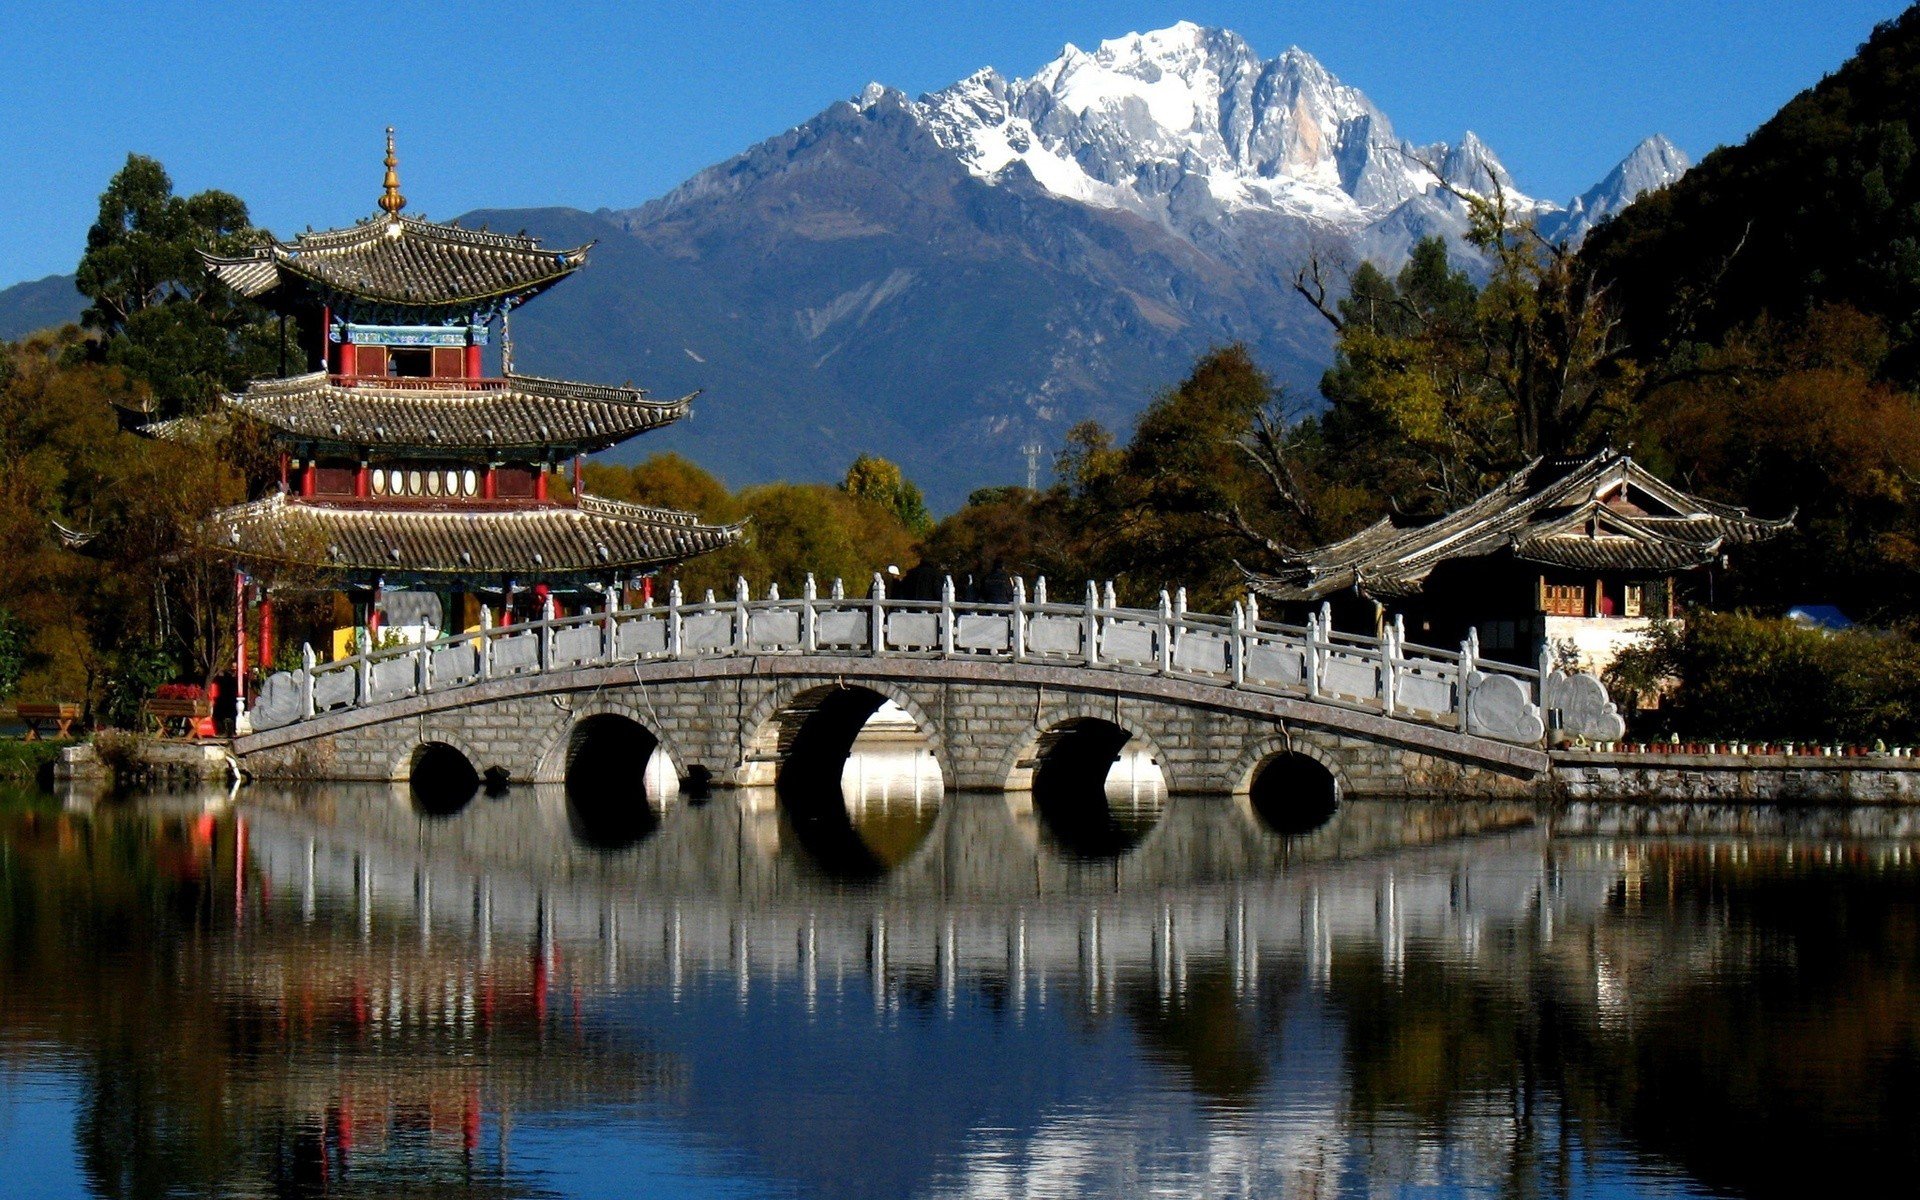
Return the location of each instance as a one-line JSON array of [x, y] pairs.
[[877, 596], [306, 679], [674, 600], [1166, 632], [740, 597], [946, 617], [546, 633], [809, 615], [1019, 616], [1389, 653], [365, 642], [1239, 643], [486, 642], [1469, 663], [1313, 655], [1092, 645]]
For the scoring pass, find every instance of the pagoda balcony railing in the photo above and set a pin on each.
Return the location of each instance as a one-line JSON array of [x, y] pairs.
[[422, 383], [1385, 675]]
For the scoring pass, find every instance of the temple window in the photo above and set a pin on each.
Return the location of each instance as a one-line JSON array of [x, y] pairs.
[[1566, 600], [410, 363]]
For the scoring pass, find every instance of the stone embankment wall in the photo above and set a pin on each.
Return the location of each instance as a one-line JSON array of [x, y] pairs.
[[1755, 778]]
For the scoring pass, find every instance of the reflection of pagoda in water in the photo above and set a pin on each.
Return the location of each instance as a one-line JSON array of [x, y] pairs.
[[411, 480]]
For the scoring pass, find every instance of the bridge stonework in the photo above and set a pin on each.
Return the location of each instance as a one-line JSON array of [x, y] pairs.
[[982, 721]]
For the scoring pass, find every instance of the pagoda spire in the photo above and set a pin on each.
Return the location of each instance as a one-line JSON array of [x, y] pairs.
[[390, 198]]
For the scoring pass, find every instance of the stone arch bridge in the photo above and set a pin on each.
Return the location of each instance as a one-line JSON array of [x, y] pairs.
[[739, 691]]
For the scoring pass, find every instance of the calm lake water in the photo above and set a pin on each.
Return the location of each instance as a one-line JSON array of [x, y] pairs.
[[340, 992]]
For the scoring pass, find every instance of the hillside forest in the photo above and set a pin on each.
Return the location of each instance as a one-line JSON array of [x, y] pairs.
[[1748, 332]]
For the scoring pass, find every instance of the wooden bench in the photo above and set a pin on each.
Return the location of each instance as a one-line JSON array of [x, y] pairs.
[[58, 716], [177, 718]]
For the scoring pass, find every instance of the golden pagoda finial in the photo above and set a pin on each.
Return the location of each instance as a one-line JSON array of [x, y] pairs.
[[390, 199]]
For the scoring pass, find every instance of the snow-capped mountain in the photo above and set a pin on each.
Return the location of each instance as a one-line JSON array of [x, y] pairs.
[[1654, 164], [1189, 127], [945, 280]]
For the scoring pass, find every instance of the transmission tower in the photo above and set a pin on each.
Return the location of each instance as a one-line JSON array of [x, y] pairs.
[[1033, 450]]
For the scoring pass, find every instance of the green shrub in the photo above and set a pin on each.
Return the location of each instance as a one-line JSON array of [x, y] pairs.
[[1738, 676]]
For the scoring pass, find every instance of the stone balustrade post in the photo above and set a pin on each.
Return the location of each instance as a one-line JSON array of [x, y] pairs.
[[609, 632], [946, 617], [364, 642], [1469, 663], [877, 596], [674, 599], [740, 597], [1040, 590], [422, 668], [1312, 660], [1019, 618], [546, 633], [1239, 646], [486, 642], [1389, 653], [1166, 633], [306, 679], [809, 615], [1092, 646]]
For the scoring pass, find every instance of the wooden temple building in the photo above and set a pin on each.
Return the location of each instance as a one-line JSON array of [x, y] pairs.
[[1570, 556], [414, 485]]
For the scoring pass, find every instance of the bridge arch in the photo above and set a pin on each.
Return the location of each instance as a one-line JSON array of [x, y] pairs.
[[1289, 787], [614, 796], [1017, 767], [805, 743], [1063, 766], [556, 754], [772, 729], [441, 778]]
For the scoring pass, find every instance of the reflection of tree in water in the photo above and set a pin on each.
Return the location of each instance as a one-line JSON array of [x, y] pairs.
[[1786, 1060], [228, 1052], [1755, 1024], [1217, 1038]]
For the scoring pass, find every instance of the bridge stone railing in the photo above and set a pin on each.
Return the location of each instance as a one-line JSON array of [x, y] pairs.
[[1450, 689]]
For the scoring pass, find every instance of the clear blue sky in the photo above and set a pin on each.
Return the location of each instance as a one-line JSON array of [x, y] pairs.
[[535, 102]]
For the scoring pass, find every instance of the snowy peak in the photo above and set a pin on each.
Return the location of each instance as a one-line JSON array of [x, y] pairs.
[[1188, 124], [1240, 156], [1653, 164]]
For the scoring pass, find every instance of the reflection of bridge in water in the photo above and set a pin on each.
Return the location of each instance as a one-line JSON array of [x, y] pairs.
[[496, 959], [732, 887]]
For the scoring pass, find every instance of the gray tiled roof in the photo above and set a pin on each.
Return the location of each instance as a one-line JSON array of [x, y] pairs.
[[1602, 513], [404, 261], [518, 414], [595, 538]]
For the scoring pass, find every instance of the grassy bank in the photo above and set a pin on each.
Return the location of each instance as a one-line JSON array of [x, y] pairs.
[[23, 762]]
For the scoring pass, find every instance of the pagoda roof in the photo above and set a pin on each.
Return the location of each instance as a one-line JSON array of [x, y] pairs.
[[517, 413], [593, 537], [405, 262], [1601, 513]]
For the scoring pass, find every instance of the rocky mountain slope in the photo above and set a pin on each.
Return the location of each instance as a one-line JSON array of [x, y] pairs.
[[949, 279]]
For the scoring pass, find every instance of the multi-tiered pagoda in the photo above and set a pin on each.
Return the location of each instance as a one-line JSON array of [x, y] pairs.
[[412, 482]]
